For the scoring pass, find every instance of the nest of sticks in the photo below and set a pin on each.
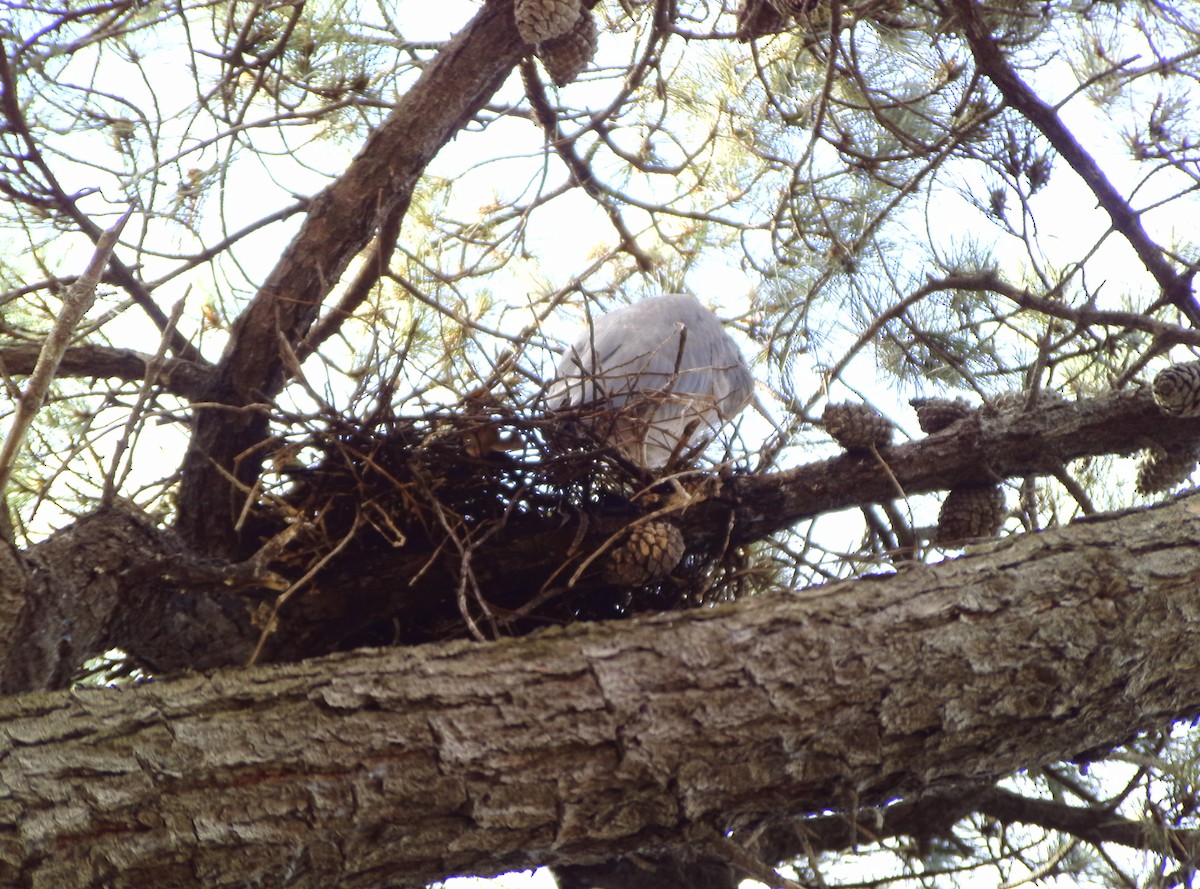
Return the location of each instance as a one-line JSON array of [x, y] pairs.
[[463, 523]]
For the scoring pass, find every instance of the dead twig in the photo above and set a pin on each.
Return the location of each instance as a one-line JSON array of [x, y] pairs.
[[137, 413], [77, 299]]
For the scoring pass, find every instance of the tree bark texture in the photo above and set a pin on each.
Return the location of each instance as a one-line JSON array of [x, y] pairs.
[[575, 746]]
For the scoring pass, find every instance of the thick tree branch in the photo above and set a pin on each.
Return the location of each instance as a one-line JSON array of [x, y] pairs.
[[70, 598], [981, 449], [1176, 286], [177, 376], [1095, 825], [603, 740], [339, 224]]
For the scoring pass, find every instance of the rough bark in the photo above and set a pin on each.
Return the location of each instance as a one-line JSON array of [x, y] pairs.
[[578, 746], [110, 579]]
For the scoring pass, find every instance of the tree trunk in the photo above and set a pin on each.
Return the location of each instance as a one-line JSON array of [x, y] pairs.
[[578, 746]]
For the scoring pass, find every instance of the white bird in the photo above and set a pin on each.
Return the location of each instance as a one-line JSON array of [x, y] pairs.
[[654, 380]]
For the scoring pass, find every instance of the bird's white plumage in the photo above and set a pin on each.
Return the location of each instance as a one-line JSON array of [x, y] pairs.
[[653, 379]]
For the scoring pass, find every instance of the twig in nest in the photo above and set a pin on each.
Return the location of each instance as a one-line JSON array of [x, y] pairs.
[[272, 622], [466, 576]]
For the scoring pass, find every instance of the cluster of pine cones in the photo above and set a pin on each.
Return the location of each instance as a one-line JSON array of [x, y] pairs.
[[564, 33]]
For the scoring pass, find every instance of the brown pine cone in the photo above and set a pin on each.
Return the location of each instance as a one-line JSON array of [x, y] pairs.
[[857, 427], [539, 20], [970, 513], [1163, 470], [650, 553], [1177, 390], [936, 414], [1017, 399], [567, 56], [756, 18]]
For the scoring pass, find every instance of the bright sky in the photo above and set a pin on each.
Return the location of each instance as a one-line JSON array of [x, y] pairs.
[[1067, 214]]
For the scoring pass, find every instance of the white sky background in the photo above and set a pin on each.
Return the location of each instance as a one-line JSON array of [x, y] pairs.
[[1066, 213]]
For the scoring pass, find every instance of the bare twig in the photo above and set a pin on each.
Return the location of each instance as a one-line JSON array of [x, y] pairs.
[[77, 299], [272, 622], [1176, 286], [136, 415], [580, 171]]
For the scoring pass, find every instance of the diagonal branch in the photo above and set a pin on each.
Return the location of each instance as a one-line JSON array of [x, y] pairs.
[[1096, 825], [223, 456], [1176, 286], [77, 299]]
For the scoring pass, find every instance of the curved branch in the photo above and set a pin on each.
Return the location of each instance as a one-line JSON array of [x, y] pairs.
[[223, 458], [1095, 825], [1165, 334]]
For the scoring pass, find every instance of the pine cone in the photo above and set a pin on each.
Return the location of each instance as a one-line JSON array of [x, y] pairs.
[[1016, 399], [1163, 470], [857, 427], [936, 414], [539, 20], [970, 513], [758, 17], [567, 56], [1006, 402], [793, 7], [649, 553], [1177, 390]]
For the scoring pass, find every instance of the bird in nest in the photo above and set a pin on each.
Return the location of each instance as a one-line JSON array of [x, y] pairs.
[[655, 380]]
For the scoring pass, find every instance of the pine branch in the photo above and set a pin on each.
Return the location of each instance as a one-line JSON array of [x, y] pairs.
[[1176, 286]]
